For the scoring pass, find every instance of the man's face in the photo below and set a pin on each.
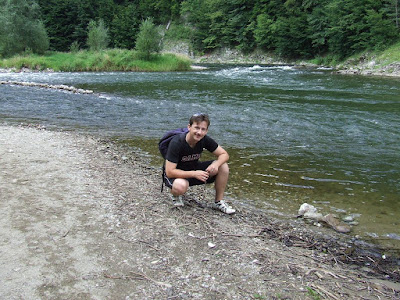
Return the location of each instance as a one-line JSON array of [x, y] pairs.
[[198, 130]]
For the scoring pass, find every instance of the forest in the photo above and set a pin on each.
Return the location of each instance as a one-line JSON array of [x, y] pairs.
[[287, 28]]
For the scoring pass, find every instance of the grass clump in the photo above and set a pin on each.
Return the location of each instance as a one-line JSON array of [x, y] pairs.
[[379, 59], [107, 60], [327, 60], [313, 294], [390, 55]]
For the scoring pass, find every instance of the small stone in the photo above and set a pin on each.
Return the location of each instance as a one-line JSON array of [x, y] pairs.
[[348, 219]]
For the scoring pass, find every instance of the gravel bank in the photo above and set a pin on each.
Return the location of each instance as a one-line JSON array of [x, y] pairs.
[[81, 219]]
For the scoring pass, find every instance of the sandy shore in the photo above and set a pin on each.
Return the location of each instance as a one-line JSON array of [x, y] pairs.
[[82, 220]]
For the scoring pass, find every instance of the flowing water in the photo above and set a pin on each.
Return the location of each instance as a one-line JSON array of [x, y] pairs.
[[295, 135]]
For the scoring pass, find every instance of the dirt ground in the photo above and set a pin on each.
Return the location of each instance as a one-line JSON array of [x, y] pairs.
[[81, 218]]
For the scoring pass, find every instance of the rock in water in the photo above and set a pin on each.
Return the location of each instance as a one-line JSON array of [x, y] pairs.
[[332, 221]]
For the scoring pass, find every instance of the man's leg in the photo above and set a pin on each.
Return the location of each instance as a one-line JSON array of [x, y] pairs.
[[179, 187], [220, 186], [221, 182]]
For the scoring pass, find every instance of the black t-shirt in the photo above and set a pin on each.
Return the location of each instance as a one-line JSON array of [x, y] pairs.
[[186, 157]]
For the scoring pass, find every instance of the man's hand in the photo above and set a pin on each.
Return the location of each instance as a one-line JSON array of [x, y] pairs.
[[202, 175], [212, 169]]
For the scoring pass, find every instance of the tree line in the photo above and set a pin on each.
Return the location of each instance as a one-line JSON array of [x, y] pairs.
[[294, 28], [291, 28]]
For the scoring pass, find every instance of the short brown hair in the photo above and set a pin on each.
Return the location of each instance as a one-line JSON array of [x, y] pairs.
[[198, 118]]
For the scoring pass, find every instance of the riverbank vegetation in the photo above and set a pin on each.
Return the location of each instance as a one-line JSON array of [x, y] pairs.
[[327, 31], [106, 60], [385, 61]]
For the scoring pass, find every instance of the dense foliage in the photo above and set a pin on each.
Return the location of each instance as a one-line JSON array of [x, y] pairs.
[[294, 28], [21, 28], [289, 28]]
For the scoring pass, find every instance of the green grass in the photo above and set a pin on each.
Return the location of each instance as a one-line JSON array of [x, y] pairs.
[[383, 58], [313, 294], [327, 60], [390, 55], [107, 60]]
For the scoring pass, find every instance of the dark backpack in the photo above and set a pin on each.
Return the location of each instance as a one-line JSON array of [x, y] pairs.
[[166, 139], [163, 147]]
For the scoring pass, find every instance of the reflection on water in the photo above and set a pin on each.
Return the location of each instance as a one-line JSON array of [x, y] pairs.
[[294, 135]]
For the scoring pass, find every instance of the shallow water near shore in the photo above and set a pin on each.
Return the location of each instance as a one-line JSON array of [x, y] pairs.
[[295, 135]]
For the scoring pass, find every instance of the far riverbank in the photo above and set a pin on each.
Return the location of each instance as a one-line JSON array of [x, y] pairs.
[[384, 63], [178, 57]]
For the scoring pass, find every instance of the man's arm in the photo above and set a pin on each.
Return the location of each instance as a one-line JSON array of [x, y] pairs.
[[172, 172], [222, 157]]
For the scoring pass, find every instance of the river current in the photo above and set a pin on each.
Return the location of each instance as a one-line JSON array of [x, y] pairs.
[[295, 135]]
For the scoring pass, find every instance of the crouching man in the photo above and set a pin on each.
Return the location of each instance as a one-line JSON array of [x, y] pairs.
[[183, 168]]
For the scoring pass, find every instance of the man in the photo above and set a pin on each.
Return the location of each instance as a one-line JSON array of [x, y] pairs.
[[183, 168]]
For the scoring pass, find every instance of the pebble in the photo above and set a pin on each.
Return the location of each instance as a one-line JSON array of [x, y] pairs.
[[348, 219]]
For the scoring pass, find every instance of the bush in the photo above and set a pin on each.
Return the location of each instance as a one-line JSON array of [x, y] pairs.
[[74, 48], [97, 35], [178, 33], [148, 40]]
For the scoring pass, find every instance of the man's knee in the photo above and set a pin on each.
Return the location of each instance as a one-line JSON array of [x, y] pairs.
[[224, 169], [180, 186]]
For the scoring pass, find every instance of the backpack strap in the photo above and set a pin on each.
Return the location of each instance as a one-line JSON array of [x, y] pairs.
[[162, 177]]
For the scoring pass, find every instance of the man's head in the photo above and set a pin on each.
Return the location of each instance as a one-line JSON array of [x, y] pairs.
[[198, 118], [198, 127]]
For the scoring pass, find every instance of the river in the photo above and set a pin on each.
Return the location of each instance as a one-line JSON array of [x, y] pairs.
[[295, 135]]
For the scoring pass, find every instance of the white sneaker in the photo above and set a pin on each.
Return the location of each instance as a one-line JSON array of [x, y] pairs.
[[177, 201], [225, 208]]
